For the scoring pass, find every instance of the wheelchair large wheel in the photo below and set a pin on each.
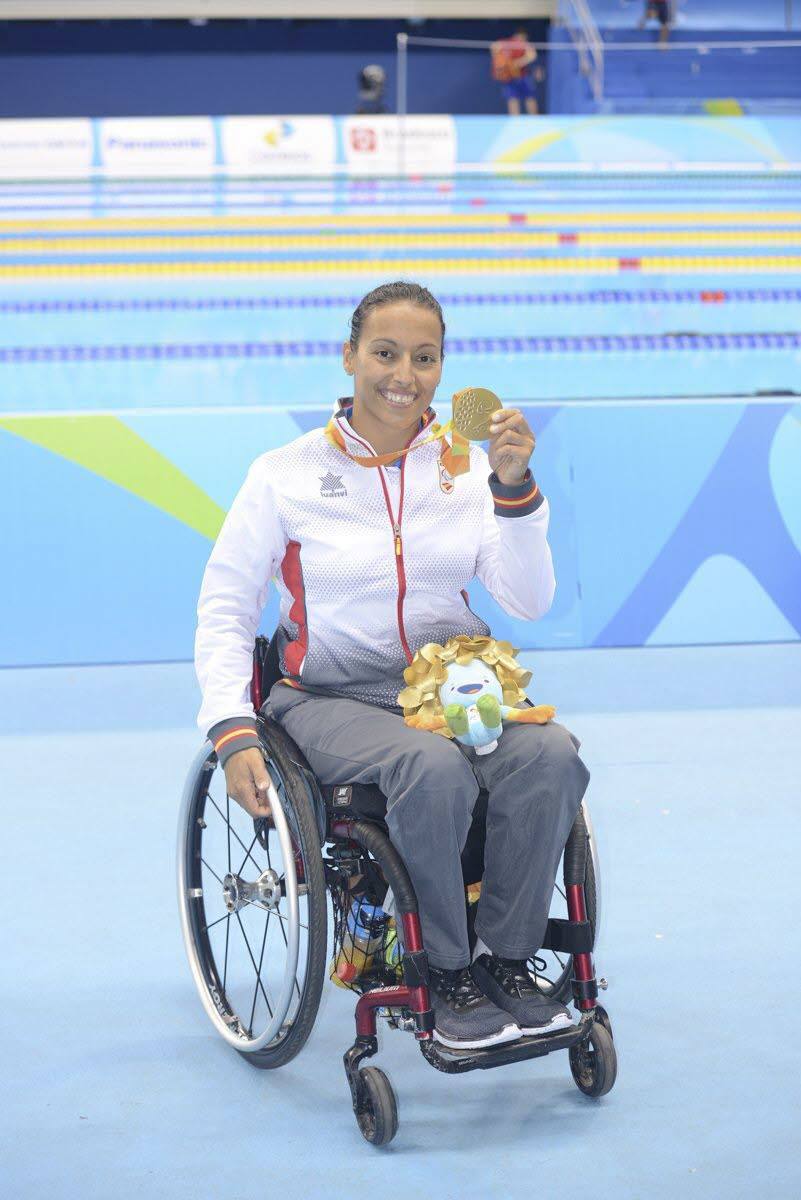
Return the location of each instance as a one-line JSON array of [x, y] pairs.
[[253, 906], [553, 970]]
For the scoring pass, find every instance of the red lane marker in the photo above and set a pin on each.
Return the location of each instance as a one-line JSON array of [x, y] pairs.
[[476, 201], [713, 297], [628, 264], [444, 187], [568, 239], [516, 218], [415, 179]]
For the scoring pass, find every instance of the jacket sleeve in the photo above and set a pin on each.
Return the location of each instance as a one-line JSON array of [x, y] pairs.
[[247, 553], [514, 558]]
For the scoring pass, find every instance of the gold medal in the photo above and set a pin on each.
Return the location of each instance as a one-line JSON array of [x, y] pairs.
[[472, 412]]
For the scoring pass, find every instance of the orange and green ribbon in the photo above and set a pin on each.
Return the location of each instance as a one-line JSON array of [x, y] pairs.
[[455, 456]]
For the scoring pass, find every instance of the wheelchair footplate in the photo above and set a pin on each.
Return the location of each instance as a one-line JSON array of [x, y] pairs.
[[453, 1061]]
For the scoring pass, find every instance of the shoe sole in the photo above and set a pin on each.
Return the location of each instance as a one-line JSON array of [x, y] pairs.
[[509, 1033], [555, 1025]]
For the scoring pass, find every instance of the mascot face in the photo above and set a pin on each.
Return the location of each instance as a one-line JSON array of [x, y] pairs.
[[465, 685]]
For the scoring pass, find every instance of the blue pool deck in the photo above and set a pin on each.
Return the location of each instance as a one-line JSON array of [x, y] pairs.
[[117, 1085]]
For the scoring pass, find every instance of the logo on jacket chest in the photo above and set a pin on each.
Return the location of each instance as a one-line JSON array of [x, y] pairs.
[[331, 485]]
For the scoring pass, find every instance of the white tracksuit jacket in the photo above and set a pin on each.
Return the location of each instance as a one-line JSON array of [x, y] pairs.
[[370, 564]]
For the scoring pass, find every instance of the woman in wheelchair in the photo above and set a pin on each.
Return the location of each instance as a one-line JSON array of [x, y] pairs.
[[373, 529]]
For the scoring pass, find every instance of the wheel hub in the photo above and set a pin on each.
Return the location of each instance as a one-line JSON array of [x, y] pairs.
[[266, 892]]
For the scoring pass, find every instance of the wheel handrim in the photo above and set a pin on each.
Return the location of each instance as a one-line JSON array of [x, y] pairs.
[[250, 887]]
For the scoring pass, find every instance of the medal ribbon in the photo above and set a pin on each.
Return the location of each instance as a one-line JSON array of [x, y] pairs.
[[455, 455]]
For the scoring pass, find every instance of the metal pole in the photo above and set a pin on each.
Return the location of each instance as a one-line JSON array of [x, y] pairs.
[[401, 100], [788, 13]]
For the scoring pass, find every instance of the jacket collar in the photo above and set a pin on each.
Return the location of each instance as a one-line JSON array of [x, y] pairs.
[[346, 437]]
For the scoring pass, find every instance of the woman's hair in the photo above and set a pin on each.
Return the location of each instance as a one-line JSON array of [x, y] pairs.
[[393, 293]]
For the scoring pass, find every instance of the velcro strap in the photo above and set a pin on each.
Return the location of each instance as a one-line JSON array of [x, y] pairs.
[[415, 969], [572, 937]]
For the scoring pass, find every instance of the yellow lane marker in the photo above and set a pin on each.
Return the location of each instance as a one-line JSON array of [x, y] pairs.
[[393, 241], [572, 218], [425, 267]]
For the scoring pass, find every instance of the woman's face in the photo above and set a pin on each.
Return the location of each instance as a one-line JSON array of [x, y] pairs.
[[395, 367]]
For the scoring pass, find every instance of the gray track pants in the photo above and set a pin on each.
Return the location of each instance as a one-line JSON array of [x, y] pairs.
[[535, 780]]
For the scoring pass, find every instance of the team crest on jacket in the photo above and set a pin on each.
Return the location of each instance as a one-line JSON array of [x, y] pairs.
[[331, 485], [445, 478]]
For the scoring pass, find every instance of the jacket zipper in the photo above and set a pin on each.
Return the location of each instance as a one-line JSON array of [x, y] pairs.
[[399, 563]]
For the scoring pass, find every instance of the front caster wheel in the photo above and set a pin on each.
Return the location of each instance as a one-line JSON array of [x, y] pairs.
[[377, 1113], [594, 1062]]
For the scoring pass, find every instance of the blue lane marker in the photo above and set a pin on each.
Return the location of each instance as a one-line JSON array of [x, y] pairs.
[[465, 299], [593, 344]]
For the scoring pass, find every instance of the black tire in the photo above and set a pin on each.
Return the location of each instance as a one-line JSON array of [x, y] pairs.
[[202, 829], [593, 1062], [602, 1017], [377, 1115]]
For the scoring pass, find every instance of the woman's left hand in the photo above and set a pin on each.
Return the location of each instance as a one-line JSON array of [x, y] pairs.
[[511, 445]]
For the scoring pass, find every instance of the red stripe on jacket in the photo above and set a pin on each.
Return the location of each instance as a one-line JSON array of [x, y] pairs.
[[292, 574]]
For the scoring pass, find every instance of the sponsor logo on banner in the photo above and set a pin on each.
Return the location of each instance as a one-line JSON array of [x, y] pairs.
[[426, 145], [279, 145], [157, 145], [36, 148]]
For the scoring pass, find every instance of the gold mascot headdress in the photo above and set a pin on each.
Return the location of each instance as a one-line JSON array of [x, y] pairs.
[[429, 669]]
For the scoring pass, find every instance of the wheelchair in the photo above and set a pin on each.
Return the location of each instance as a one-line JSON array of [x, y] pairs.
[[254, 897]]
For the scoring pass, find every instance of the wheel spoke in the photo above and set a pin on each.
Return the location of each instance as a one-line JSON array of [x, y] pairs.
[[259, 983], [214, 873], [258, 975], [281, 916], [248, 855], [286, 943], [227, 917], [228, 823], [225, 966]]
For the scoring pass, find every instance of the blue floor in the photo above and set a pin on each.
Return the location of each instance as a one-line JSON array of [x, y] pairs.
[[120, 1087]]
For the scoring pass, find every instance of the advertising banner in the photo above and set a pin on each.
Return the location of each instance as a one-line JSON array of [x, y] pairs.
[[45, 149], [394, 145], [279, 145], [157, 146]]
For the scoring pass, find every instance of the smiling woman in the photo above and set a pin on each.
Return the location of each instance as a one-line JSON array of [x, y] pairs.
[[373, 541]]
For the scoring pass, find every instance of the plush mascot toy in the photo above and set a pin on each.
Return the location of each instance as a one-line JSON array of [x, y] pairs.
[[466, 689]]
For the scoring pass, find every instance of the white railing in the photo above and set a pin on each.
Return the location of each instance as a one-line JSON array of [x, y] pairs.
[[577, 19]]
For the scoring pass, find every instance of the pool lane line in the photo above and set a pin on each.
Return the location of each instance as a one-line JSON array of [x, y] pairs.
[[709, 295], [653, 264], [539, 218], [421, 241], [324, 348]]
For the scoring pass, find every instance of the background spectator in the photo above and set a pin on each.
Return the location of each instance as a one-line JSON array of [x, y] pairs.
[[511, 60], [371, 90], [658, 10]]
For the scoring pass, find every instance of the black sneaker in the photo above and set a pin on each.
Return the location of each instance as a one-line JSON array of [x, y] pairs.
[[464, 1018], [507, 983]]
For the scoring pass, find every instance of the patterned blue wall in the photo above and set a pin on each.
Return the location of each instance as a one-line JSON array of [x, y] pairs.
[[671, 523]]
